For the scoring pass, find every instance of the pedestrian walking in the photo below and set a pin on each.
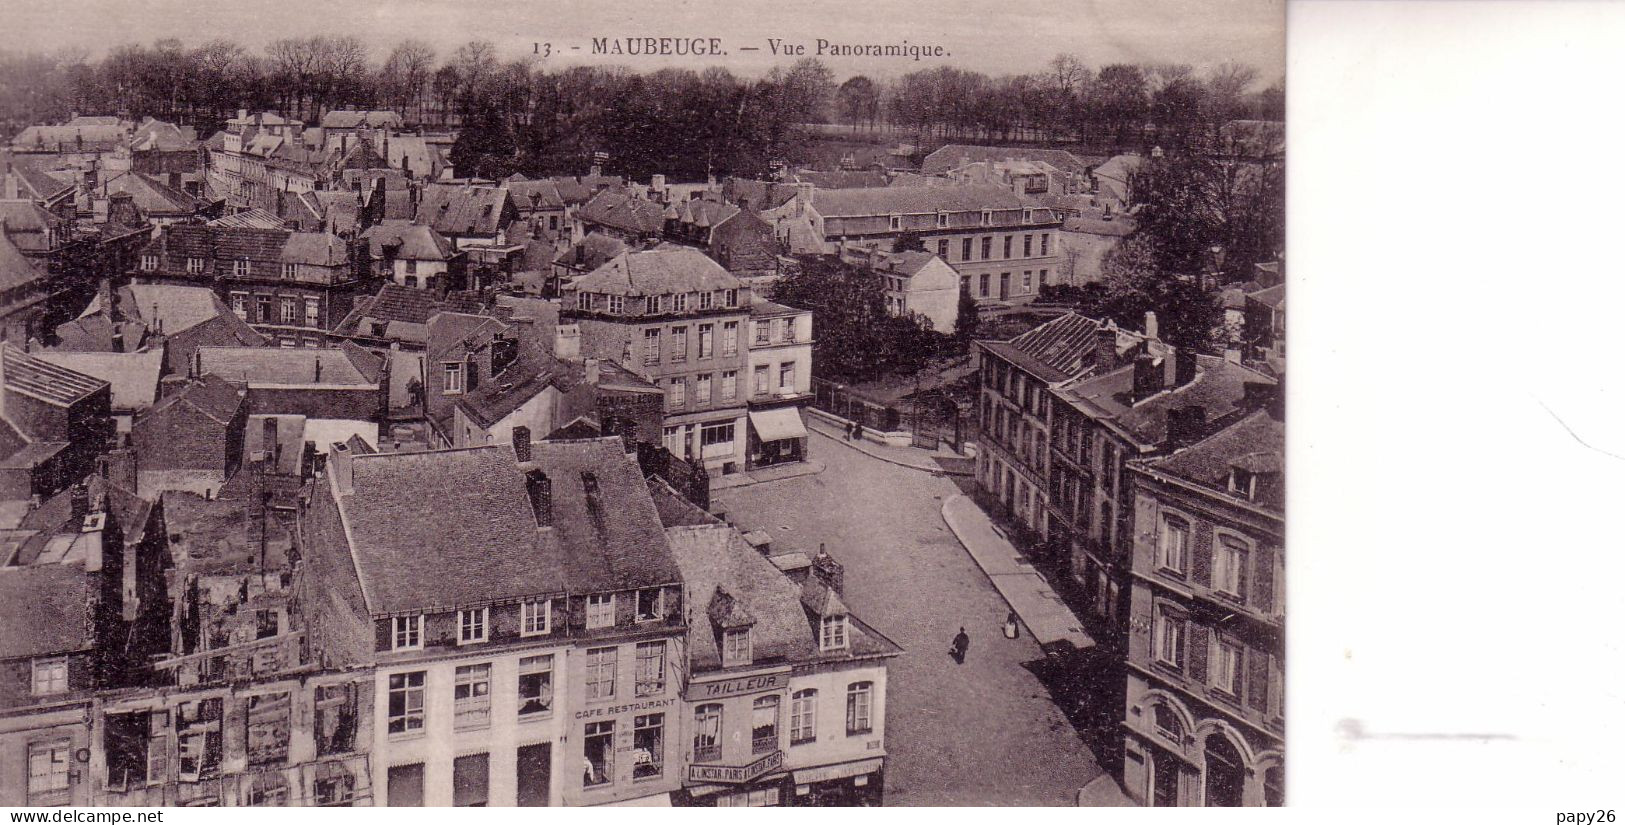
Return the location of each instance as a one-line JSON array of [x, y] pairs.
[[850, 429], [1012, 627], [960, 646], [857, 430]]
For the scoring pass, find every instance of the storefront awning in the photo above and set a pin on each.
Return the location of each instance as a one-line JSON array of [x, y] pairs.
[[659, 800], [775, 425], [842, 771]]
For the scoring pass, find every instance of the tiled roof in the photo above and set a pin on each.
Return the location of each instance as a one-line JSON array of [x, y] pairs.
[[1218, 389], [250, 219], [28, 224], [447, 528], [620, 209], [211, 395], [1055, 350], [841, 180], [499, 395], [954, 155], [715, 560], [612, 539], [535, 194], [462, 210], [133, 375], [158, 135], [657, 272], [674, 509], [315, 248], [151, 196], [281, 365], [1256, 442], [70, 137], [45, 610], [702, 212], [45, 380]]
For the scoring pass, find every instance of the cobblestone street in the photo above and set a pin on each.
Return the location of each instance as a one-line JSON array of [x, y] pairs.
[[985, 732]]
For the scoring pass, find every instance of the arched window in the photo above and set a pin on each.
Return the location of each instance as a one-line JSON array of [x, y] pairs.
[[1167, 722], [1224, 773]]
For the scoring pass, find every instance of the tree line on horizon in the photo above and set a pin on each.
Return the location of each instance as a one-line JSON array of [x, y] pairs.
[[524, 116]]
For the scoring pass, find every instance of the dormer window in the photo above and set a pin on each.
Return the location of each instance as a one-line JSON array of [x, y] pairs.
[[736, 647], [651, 305], [651, 601], [1243, 483], [291, 270], [408, 632], [472, 625], [536, 618], [706, 299], [194, 266], [679, 302], [50, 676], [149, 263], [942, 220], [1027, 215], [896, 223], [731, 298], [241, 268], [832, 634], [600, 611], [987, 217], [617, 304]]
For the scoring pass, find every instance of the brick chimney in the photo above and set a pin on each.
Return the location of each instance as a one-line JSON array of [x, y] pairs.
[[1147, 376], [1151, 324], [521, 444], [342, 465], [539, 488], [828, 570], [1105, 349], [1184, 367]]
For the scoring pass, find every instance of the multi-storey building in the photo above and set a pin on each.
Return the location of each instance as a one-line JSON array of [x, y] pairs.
[[522, 617], [780, 346], [1204, 719], [54, 422], [1002, 244], [291, 287], [786, 696], [678, 319]]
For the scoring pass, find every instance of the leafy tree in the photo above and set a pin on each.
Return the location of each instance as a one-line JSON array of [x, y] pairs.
[[908, 242], [857, 339], [969, 321], [1133, 283]]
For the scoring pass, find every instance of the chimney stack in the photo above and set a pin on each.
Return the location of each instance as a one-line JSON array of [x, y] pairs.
[[540, 490], [1105, 349], [592, 371], [567, 342], [828, 570], [318, 370], [521, 444], [1150, 324], [1147, 376], [342, 465], [1184, 367]]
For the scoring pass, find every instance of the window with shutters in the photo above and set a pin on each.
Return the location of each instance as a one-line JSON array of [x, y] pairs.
[[1172, 543], [1168, 638], [1229, 565], [48, 764], [1224, 667]]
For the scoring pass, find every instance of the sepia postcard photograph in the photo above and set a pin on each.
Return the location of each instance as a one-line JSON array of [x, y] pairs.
[[724, 404]]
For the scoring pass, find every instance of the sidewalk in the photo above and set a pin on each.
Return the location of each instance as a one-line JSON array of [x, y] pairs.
[[811, 466], [1047, 618], [1104, 792], [943, 462]]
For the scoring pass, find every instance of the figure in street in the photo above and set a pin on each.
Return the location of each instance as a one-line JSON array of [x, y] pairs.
[[960, 646], [1012, 627]]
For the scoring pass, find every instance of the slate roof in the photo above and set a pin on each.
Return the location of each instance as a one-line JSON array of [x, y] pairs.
[[249, 219], [499, 395], [953, 155], [1257, 442], [1218, 389], [151, 196], [462, 210], [210, 395], [348, 119], [16, 269], [612, 540], [179, 308], [71, 137], [28, 224], [1053, 351], [411, 241], [158, 135], [674, 509], [701, 212], [45, 380], [840, 180], [759, 194], [620, 209], [38, 183], [449, 528], [282, 365], [657, 272], [535, 194], [132, 375], [46, 610], [837, 203], [400, 303], [715, 560]]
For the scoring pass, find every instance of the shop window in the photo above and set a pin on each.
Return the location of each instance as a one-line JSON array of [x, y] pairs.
[[406, 786], [648, 745], [651, 675], [535, 687], [599, 748], [471, 697], [711, 434], [764, 725], [708, 733], [470, 780], [764, 798]]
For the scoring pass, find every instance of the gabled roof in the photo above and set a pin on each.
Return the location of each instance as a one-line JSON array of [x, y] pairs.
[[316, 249], [1218, 389], [607, 523], [158, 135], [132, 375], [47, 381], [249, 218], [1273, 297], [173, 307], [16, 269], [657, 272], [211, 395], [1053, 351], [535, 194], [620, 209], [736, 585], [499, 395], [463, 210], [298, 366], [448, 528], [28, 224], [410, 241], [152, 196]]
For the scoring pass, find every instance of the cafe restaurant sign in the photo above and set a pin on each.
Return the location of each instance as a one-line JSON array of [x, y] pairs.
[[736, 774], [738, 687]]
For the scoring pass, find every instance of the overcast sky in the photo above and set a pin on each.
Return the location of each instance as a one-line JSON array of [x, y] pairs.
[[1007, 36]]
